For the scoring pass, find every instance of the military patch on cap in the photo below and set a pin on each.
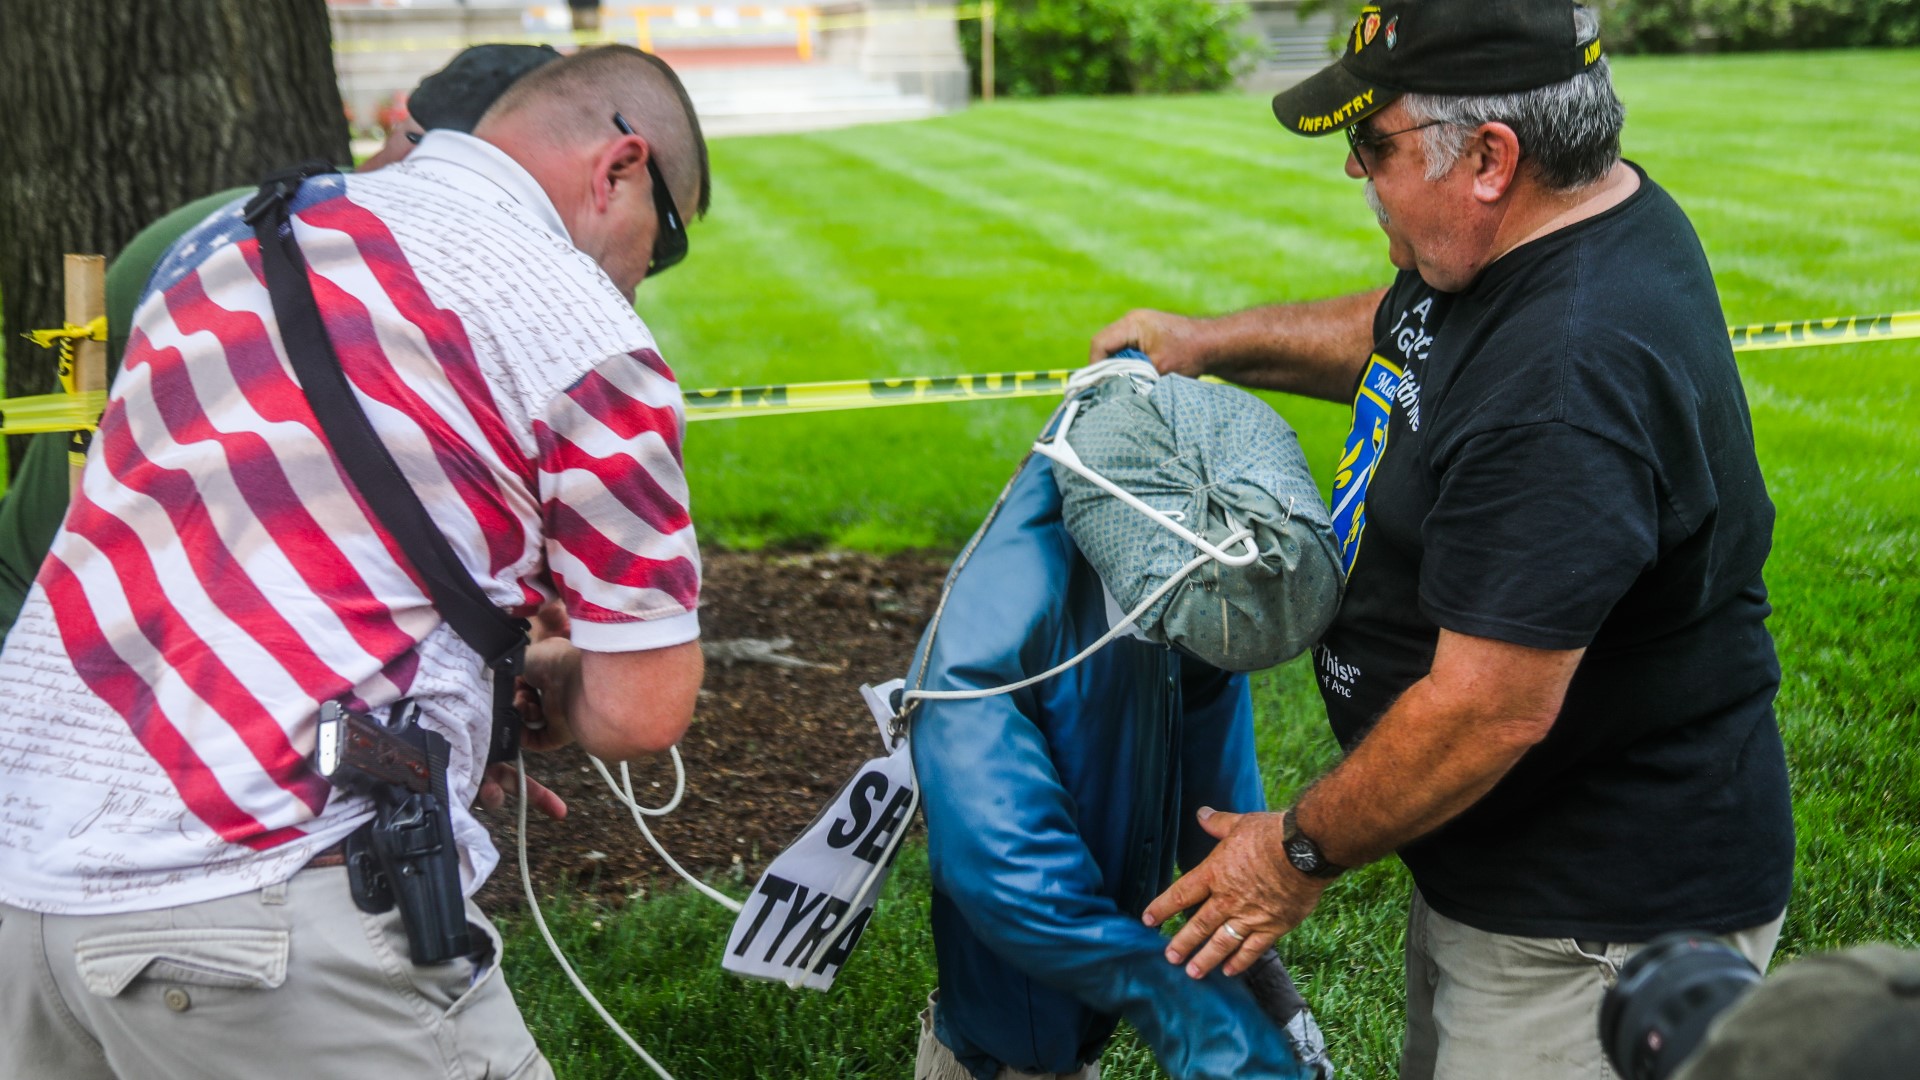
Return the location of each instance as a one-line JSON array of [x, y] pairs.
[[1468, 47]]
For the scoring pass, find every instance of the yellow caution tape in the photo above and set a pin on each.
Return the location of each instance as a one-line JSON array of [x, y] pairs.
[[67, 412], [1844, 330], [726, 403], [95, 330], [63, 411], [51, 412]]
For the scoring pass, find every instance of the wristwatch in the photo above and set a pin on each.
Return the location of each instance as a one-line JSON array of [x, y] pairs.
[[1304, 853]]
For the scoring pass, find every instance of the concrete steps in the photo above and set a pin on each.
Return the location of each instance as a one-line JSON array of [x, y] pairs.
[[774, 98]]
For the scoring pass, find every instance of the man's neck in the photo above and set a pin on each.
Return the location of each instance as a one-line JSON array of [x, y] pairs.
[[1538, 212]]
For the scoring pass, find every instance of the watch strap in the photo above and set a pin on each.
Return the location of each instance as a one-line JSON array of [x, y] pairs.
[[1312, 861]]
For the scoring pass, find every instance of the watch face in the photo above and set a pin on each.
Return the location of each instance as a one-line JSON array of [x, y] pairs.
[[1301, 853]]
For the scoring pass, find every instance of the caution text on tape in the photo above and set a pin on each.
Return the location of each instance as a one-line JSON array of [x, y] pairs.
[[730, 401], [68, 412]]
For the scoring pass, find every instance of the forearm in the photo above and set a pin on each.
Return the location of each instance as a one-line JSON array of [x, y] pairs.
[[1438, 749], [617, 706], [1315, 349], [1366, 807]]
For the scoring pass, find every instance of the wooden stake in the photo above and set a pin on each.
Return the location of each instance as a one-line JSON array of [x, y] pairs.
[[986, 51], [86, 283]]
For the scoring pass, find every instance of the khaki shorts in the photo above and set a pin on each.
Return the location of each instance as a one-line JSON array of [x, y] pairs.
[[1484, 1006], [291, 980]]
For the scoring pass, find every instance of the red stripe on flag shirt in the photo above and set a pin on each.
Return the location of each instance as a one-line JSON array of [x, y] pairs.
[[217, 577]]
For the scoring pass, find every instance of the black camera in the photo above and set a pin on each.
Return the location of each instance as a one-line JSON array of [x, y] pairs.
[[1657, 1013]]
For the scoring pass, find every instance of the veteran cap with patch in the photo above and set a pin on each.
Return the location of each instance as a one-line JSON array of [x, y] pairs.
[[1438, 47]]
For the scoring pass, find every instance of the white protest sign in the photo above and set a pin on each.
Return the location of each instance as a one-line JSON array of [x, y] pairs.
[[811, 906]]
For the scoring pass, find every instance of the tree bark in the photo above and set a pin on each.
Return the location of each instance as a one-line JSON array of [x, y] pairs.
[[118, 111]]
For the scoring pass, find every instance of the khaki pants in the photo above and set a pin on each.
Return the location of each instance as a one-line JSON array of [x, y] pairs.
[[935, 1062], [290, 982], [1498, 1007]]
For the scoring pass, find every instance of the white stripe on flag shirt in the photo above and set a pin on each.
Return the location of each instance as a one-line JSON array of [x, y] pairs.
[[217, 578]]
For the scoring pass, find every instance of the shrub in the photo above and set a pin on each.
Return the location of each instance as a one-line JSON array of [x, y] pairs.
[[1739, 25], [1667, 26], [1044, 47]]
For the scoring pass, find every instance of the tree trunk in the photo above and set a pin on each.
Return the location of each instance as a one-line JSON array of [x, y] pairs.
[[118, 111]]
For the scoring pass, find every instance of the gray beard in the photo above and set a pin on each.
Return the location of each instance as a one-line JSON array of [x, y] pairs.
[[1373, 203]]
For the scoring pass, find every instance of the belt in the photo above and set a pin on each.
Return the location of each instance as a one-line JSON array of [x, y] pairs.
[[332, 856]]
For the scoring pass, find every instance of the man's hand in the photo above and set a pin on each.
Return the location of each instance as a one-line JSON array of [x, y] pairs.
[[1246, 884], [617, 706], [501, 778], [546, 691], [1317, 348], [551, 620], [1173, 342]]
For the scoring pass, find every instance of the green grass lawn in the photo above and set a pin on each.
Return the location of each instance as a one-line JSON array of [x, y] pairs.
[[1003, 237]]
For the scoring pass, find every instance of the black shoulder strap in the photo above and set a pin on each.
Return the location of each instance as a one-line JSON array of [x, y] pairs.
[[499, 638]]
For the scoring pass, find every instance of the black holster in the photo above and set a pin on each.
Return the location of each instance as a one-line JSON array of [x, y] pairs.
[[406, 855]]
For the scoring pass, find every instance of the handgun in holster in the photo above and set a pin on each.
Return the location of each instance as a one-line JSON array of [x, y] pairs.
[[406, 854]]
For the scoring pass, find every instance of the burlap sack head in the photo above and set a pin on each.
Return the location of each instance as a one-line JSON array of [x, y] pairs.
[[1218, 458]]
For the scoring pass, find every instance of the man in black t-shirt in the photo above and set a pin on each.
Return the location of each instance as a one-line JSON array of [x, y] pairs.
[[1550, 671]]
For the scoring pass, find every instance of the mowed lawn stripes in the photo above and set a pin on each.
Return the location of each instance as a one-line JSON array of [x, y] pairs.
[[1000, 238]]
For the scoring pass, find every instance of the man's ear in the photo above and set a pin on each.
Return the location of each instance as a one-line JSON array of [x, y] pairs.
[[622, 161], [1494, 155]]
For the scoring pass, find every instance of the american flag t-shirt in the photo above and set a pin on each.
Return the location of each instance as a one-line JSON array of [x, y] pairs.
[[217, 576]]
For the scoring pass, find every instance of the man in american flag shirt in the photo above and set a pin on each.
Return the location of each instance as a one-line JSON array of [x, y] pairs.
[[170, 900]]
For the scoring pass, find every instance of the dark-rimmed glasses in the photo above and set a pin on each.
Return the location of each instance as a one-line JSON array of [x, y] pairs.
[[670, 243], [1363, 145]]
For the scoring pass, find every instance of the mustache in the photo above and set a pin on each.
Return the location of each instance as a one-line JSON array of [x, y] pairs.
[[1373, 203]]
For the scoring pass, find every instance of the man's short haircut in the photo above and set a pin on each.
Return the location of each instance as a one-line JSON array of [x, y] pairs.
[[578, 95], [1569, 131]]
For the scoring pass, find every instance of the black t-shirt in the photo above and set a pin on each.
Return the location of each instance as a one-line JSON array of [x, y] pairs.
[[1561, 456]]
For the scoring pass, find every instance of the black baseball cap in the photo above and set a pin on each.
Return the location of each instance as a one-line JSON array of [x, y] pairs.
[[457, 95], [1438, 47]]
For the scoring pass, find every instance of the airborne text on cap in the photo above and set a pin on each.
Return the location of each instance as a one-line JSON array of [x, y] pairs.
[[1337, 117]]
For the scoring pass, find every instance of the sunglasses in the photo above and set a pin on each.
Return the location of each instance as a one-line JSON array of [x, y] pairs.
[[670, 243], [1366, 146]]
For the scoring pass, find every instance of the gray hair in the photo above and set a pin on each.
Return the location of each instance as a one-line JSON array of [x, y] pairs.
[[1569, 131]]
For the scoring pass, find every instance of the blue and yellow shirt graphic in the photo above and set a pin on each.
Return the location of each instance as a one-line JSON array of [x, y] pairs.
[[1366, 441]]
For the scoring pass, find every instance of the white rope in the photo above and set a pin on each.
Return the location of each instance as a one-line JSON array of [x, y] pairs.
[[622, 791], [1118, 628], [533, 905], [679, 786], [1063, 452], [641, 813], [1142, 372]]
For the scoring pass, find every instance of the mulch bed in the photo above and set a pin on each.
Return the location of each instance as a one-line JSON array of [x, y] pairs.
[[769, 744]]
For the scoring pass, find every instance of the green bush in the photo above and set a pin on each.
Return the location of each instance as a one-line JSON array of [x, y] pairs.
[[1670, 26], [1743, 25], [1044, 47]]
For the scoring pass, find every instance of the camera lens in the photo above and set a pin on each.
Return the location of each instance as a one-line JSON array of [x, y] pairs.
[[1655, 1016]]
